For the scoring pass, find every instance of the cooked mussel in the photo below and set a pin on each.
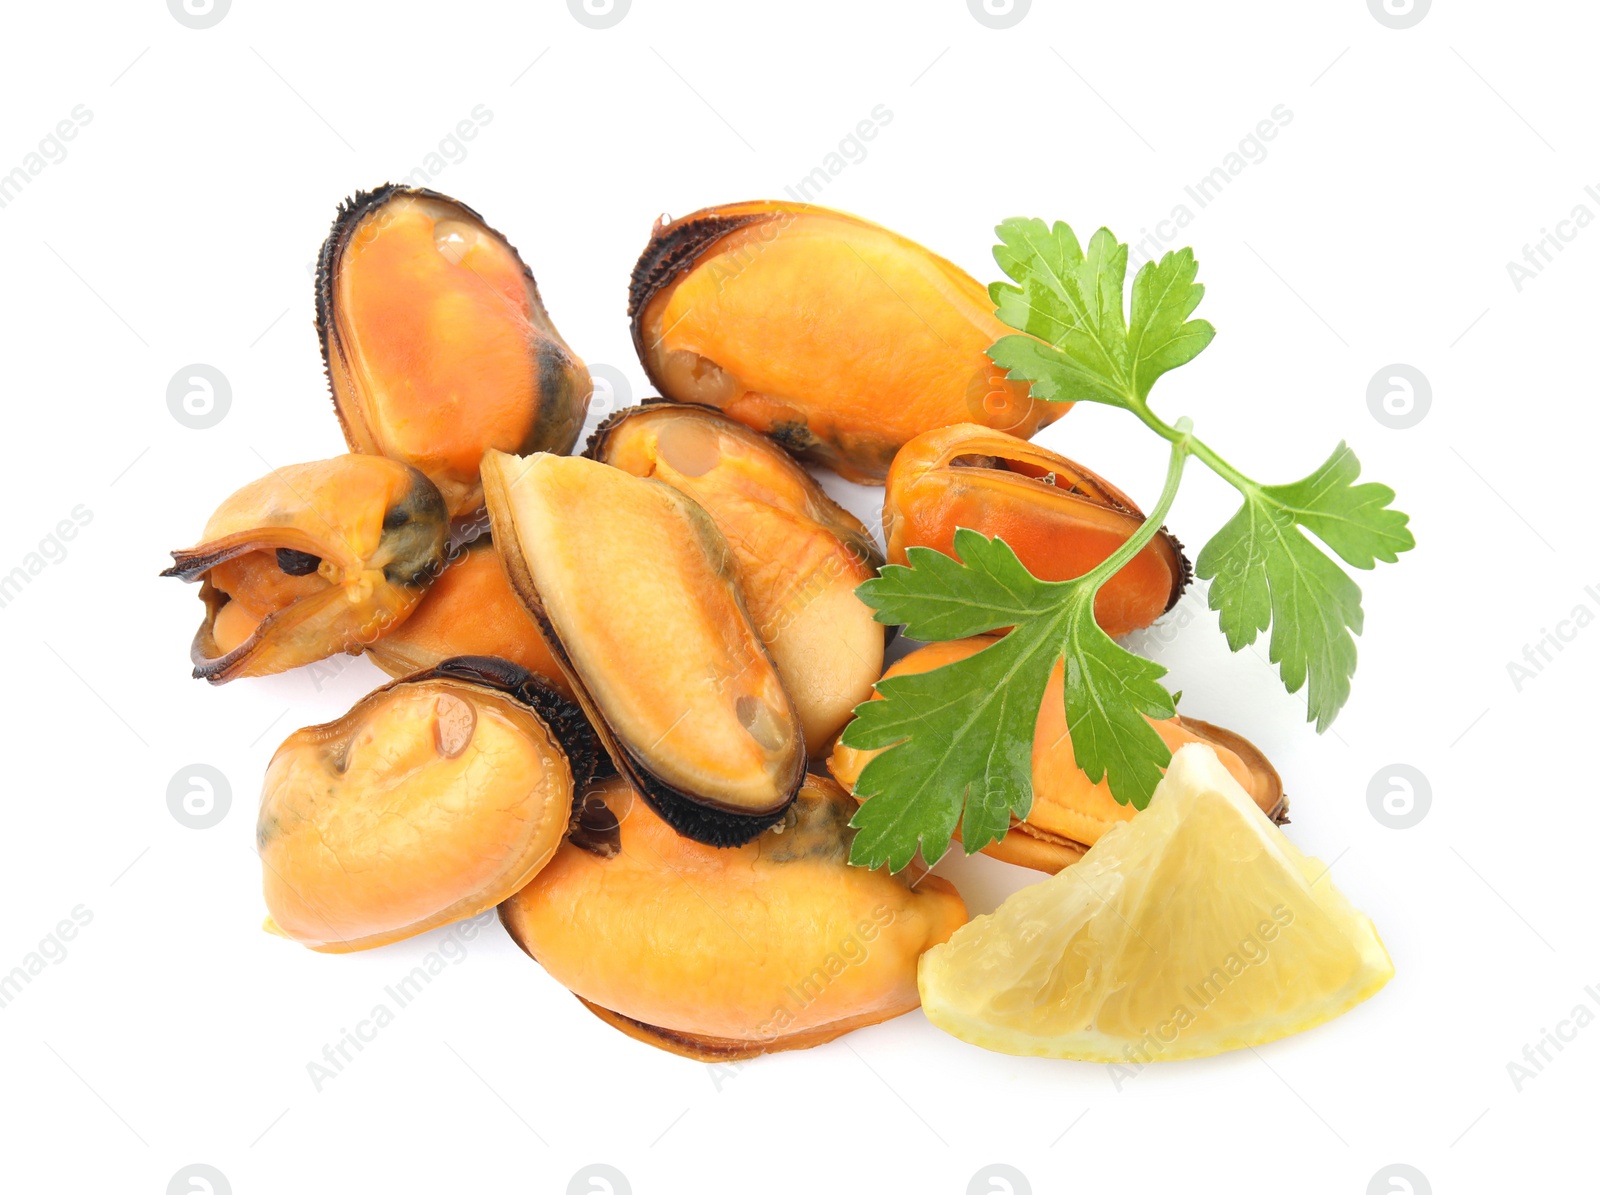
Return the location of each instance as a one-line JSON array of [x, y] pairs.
[[433, 799], [1060, 518], [837, 337], [638, 597], [777, 945], [799, 554], [469, 611], [1069, 813], [437, 343], [312, 560]]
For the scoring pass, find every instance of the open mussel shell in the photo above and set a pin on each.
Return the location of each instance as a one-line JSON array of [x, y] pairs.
[[638, 597], [433, 799], [799, 554], [1060, 518], [469, 611], [1069, 813], [782, 945], [312, 560], [437, 343], [838, 338]]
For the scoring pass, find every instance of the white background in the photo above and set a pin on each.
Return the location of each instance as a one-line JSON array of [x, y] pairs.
[[179, 228]]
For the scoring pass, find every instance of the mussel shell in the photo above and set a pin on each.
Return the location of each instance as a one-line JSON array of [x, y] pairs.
[[778, 944], [437, 344], [635, 591], [799, 554], [835, 336], [377, 529], [1069, 814], [433, 799], [1060, 518]]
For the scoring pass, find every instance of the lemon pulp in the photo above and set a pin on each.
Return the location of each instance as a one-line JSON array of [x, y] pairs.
[[1195, 928]]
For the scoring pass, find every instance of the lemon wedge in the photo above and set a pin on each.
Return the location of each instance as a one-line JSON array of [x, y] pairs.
[[1195, 928]]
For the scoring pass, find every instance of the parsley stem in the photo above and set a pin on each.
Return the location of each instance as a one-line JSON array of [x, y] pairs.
[[1182, 445], [1198, 447]]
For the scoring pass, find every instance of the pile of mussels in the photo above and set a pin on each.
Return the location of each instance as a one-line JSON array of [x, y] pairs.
[[621, 676]]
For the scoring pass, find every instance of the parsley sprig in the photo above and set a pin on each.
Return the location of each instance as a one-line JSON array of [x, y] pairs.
[[959, 738]]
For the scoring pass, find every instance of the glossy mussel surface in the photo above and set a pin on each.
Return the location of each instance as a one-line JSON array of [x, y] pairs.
[[838, 338], [312, 560], [638, 595], [433, 799], [715, 954], [1060, 518], [437, 344], [799, 555]]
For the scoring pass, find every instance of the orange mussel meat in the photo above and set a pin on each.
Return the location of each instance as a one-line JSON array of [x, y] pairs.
[[437, 343], [778, 944], [433, 799], [312, 560], [800, 556], [638, 596], [1060, 518], [833, 335], [469, 611]]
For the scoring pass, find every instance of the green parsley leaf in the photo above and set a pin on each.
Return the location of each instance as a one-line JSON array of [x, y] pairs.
[[1353, 520], [1073, 301], [1265, 572], [1109, 694], [955, 744], [959, 736], [959, 739], [938, 597]]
